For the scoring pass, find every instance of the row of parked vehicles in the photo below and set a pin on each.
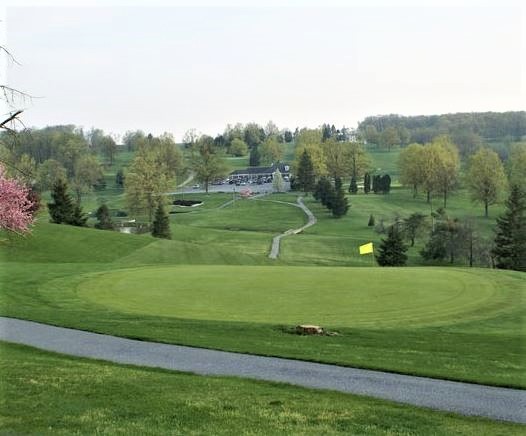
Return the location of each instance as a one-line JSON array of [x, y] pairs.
[[243, 181]]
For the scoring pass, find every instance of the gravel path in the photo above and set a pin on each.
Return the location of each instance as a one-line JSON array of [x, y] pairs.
[[463, 398], [274, 251]]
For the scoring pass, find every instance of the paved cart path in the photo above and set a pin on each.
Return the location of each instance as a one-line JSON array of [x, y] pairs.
[[276, 241], [463, 398]]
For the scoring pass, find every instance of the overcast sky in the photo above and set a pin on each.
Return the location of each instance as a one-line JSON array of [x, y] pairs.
[[174, 68]]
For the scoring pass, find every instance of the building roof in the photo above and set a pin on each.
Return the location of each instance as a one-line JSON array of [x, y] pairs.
[[283, 168]]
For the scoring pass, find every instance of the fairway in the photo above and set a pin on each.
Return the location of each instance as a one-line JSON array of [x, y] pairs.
[[337, 297]]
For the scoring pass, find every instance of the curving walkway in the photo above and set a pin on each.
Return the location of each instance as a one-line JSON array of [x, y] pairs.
[[464, 398], [274, 251]]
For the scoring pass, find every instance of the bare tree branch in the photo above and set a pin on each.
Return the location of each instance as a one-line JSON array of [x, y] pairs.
[[9, 55], [12, 117]]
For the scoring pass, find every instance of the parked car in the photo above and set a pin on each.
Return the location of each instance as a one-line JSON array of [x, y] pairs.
[[196, 186]]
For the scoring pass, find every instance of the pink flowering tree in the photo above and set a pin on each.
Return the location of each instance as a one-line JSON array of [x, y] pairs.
[[16, 209]]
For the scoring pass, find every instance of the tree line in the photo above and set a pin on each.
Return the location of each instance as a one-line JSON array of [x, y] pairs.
[[462, 127], [434, 168]]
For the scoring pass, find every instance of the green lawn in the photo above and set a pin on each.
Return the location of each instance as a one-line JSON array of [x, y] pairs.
[[45, 393], [451, 323], [213, 286], [334, 297]]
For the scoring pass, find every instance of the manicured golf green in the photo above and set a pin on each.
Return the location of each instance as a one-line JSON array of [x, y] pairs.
[[338, 297]]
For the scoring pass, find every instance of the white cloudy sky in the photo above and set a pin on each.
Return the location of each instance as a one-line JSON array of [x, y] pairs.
[[170, 67]]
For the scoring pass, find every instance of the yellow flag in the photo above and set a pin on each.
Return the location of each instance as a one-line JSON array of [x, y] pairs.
[[366, 248]]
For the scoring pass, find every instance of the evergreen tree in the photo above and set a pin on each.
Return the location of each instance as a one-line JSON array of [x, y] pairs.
[[317, 193], [305, 176], [78, 218], [161, 224], [322, 191], [339, 204], [255, 157], [510, 239], [353, 187], [61, 209], [446, 240], [103, 215], [392, 250], [376, 183], [371, 221], [366, 183], [385, 184]]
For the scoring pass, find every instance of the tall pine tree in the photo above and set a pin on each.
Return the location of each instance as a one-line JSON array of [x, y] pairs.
[[161, 224], [510, 239], [392, 250], [103, 215], [353, 186], [339, 204], [305, 177], [78, 218], [255, 157], [61, 209]]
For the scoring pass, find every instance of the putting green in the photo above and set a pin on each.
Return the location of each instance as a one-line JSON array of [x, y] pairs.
[[337, 297]]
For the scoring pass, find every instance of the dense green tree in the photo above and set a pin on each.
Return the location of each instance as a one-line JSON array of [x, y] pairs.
[[488, 125], [287, 135], [353, 186], [88, 172], [411, 167], [104, 218], [254, 134], [238, 147], [358, 159], [271, 150], [517, 164], [310, 140], [78, 218], [48, 173], [445, 241], [305, 176], [61, 208], [485, 178], [161, 224], [146, 183], [385, 184], [254, 159], [336, 157], [392, 249], [339, 203], [510, 239], [446, 168], [376, 183], [207, 161]]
